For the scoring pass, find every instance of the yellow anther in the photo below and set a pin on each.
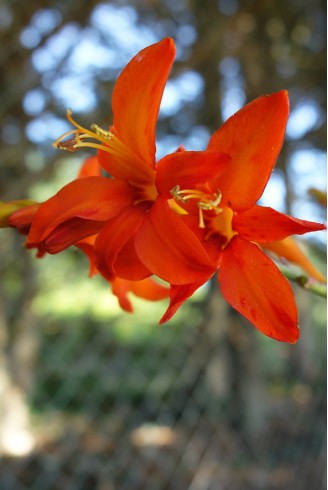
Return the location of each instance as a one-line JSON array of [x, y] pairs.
[[216, 219], [80, 137], [208, 204], [101, 132], [206, 201], [186, 194]]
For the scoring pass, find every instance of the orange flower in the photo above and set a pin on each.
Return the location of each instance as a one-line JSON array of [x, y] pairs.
[[146, 288], [187, 216], [231, 224], [116, 208], [289, 250], [19, 215]]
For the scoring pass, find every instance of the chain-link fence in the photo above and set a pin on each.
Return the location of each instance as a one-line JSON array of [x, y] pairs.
[[117, 402]]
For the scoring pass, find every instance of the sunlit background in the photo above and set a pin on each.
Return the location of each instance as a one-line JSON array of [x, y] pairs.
[[95, 399]]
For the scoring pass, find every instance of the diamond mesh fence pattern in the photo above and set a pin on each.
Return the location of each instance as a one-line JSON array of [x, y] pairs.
[[114, 410]]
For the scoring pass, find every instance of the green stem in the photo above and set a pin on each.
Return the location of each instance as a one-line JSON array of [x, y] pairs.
[[315, 287]]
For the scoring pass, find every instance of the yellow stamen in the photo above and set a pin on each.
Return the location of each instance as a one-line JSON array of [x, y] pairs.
[[201, 219], [80, 138], [206, 202]]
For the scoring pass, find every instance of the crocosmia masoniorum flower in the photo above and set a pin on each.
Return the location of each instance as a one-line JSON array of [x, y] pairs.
[[232, 225], [20, 214], [184, 217], [117, 208]]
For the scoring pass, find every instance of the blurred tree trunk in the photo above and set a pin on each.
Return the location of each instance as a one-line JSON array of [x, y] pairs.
[[304, 363], [233, 373], [18, 348]]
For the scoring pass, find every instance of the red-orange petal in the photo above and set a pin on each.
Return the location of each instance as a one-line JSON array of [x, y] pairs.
[[121, 288], [149, 289], [89, 168], [212, 244], [146, 289], [90, 198], [253, 138], [263, 224], [128, 265], [66, 234], [21, 219], [86, 245], [169, 249], [112, 239], [288, 249], [125, 165], [255, 287], [137, 96], [190, 170], [178, 295]]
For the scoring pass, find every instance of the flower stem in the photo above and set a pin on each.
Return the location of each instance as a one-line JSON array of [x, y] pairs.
[[300, 278]]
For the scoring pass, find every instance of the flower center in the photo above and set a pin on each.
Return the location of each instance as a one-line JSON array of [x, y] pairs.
[[206, 201], [80, 138], [214, 216], [144, 193]]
